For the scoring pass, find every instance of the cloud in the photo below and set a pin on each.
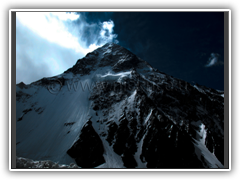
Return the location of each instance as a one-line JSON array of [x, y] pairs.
[[107, 32], [51, 26], [94, 34], [66, 16], [49, 43], [36, 57], [214, 60]]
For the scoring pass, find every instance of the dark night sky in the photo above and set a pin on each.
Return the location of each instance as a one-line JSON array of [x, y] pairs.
[[177, 43], [186, 45]]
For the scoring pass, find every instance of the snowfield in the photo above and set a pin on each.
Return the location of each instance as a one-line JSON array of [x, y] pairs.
[[45, 130]]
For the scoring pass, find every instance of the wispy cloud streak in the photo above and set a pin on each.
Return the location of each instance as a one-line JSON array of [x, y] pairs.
[[214, 60]]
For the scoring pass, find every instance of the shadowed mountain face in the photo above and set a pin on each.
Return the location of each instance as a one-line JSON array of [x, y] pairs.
[[88, 150], [113, 110]]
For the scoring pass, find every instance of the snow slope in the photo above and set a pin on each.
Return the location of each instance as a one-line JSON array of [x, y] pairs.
[[45, 133], [44, 129]]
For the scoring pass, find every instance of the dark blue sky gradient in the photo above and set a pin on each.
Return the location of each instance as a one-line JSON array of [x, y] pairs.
[[177, 43]]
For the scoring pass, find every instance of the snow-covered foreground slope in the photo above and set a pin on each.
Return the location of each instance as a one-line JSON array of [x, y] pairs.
[[43, 132], [49, 123], [113, 110]]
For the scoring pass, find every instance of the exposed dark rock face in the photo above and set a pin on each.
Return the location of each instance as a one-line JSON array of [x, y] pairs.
[[173, 106], [21, 85], [130, 61], [24, 112], [167, 146], [111, 54], [69, 124], [125, 144], [47, 82], [123, 139], [88, 150], [112, 128], [85, 65], [21, 96]]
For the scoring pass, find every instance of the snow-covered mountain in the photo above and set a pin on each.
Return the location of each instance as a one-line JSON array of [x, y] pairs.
[[114, 110]]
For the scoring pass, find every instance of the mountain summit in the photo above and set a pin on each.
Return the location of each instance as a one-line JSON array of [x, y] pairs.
[[110, 55], [114, 110]]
